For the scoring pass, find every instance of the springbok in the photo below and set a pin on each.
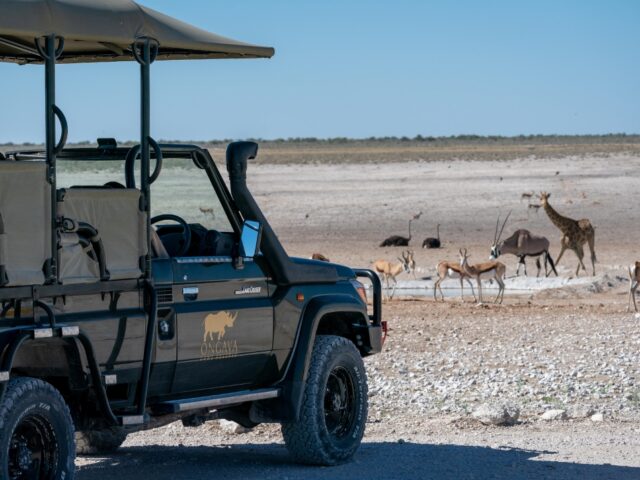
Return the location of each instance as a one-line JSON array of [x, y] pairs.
[[634, 280], [446, 270], [412, 263], [390, 270], [527, 195], [492, 269], [534, 206], [522, 244]]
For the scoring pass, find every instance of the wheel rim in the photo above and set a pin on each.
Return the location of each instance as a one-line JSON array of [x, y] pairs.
[[33, 450], [339, 403]]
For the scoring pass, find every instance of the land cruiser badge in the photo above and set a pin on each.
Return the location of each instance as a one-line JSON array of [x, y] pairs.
[[248, 290], [214, 343]]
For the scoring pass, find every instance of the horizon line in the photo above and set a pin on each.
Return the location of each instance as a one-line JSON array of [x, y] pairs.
[[416, 138]]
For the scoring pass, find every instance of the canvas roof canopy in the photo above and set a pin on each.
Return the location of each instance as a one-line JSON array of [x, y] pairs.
[[103, 31]]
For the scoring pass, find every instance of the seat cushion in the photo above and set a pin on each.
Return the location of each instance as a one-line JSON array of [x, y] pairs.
[[116, 214], [25, 207]]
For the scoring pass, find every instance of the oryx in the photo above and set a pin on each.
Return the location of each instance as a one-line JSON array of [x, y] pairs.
[[522, 243]]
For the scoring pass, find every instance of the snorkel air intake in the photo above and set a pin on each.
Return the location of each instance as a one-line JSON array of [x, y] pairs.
[[285, 271]]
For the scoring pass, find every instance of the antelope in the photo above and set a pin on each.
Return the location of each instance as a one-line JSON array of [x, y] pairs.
[[634, 280], [527, 195], [534, 206], [493, 269], [412, 263], [522, 244], [446, 270], [431, 242], [390, 270], [399, 240], [319, 256]]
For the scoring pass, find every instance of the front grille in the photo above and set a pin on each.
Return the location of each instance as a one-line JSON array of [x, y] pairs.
[[165, 295]]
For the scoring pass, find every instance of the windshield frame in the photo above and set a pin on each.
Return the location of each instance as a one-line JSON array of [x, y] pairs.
[[201, 158]]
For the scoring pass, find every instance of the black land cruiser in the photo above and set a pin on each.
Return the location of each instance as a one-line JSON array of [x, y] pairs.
[[132, 297]]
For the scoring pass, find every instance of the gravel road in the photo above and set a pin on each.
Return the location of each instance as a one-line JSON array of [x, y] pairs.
[[562, 451]]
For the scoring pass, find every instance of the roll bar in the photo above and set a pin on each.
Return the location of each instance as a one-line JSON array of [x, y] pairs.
[[145, 51]]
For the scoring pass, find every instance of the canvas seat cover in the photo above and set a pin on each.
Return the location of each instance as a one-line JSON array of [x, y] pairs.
[[121, 225], [25, 206], [75, 264]]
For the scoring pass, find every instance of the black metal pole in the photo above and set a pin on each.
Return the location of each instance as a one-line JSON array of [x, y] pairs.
[[145, 51], [145, 59], [50, 122], [145, 114]]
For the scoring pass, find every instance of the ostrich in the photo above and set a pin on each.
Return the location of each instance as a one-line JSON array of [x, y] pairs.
[[431, 242], [399, 240]]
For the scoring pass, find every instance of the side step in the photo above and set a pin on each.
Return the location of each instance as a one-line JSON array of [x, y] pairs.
[[215, 401]]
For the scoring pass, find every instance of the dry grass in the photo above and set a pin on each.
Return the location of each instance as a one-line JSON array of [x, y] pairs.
[[387, 152], [339, 151]]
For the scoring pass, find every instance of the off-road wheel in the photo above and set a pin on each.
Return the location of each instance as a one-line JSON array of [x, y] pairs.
[[99, 440], [334, 407], [36, 433]]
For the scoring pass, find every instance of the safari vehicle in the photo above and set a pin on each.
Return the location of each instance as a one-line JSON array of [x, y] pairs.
[[150, 292]]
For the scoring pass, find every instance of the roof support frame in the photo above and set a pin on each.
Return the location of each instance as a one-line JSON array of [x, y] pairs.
[[18, 46], [49, 52], [145, 50]]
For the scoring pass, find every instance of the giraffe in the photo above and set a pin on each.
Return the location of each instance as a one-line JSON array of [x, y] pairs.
[[575, 233]]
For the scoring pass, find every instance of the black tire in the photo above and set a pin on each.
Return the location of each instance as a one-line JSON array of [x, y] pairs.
[[99, 440], [334, 406], [36, 432]]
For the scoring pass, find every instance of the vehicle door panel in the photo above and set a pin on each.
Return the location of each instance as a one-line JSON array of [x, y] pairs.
[[225, 330]]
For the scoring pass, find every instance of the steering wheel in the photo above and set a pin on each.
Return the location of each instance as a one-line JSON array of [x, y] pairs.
[[186, 230]]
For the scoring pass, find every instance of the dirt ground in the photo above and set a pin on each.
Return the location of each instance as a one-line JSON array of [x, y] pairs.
[[572, 348], [346, 211]]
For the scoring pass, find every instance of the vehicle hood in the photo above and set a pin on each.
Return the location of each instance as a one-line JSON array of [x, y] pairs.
[[344, 273]]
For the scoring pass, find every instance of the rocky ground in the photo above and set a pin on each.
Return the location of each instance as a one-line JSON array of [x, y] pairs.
[[561, 364], [535, 388], [450, 358]]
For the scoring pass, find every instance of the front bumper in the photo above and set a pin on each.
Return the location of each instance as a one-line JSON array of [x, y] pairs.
[[377, 328]]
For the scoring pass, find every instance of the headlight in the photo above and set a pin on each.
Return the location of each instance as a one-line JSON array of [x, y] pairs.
[[360, 289]]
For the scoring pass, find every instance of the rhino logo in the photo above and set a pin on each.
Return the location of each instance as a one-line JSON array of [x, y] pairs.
[[217, 324]]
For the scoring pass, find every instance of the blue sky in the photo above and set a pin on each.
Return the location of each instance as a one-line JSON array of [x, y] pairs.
[[363, 68]]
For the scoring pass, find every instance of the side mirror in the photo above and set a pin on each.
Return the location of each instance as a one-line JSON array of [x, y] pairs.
[[250, 238]]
